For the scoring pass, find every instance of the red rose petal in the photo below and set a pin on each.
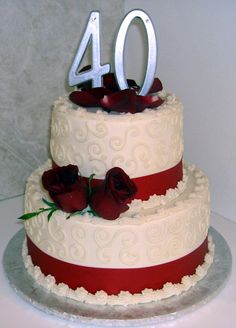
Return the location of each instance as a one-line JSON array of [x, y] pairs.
[[99, 92], [88, 97], [132, 84], [104, 204], [109, 81], [149, 102], [50, 181], [127, 101], [123, 101], [83, 98], [110, 198], [73, 201], [67, 189], [120, 184], [156, 86]]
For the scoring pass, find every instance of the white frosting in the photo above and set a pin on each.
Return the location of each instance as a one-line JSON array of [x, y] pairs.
[[142, 143], [123, 298], [153, 232]]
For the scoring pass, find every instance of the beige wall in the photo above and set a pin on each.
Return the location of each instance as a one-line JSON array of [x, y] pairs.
[[38, 41]]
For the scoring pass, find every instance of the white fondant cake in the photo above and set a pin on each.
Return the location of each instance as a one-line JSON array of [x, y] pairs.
[[162, 239]]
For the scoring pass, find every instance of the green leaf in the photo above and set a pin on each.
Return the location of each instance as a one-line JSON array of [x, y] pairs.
[[51, 213], [28, 216], [91, 211], [50, 204], [74, 213], [45, 209], [52, 208], [89, 183]]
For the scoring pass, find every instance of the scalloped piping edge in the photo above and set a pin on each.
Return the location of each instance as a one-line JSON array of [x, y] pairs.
[[124, 297]]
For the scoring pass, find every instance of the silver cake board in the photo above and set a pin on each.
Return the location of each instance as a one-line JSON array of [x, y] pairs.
[[120, 316]]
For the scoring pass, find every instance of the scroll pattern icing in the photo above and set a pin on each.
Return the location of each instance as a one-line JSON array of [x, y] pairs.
[[81, 134], [77, 250], [118, 142], [154, 233], [99, 130], [143, 143], [74, 156], [61, 126], [121, 161]]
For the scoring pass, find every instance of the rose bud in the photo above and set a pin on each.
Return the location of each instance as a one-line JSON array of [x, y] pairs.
[[109, 199], [67, 189]]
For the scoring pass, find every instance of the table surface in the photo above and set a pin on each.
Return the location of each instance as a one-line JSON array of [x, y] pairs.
[[15, 312]]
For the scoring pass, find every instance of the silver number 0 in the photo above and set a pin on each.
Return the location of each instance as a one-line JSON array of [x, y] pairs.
[[152, 51]]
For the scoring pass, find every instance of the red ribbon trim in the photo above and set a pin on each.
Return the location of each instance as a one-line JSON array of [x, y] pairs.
[[113, 281], [153, 184], [159, 183]]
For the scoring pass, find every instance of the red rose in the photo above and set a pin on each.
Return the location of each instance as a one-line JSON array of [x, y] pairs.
[[66, 188], [110, 198]]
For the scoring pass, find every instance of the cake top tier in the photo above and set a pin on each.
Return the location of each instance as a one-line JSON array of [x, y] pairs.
[[141, 144]]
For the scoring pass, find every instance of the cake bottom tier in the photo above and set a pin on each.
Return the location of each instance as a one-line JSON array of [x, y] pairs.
[[158, 248], [113, 281], [126, 279]]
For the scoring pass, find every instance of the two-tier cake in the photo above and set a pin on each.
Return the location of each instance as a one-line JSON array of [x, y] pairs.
[[140, 230]]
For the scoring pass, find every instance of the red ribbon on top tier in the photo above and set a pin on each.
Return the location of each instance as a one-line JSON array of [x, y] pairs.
[[153, 184], [112, 281]]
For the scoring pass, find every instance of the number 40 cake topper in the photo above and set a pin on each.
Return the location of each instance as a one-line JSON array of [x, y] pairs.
[[92, 33]]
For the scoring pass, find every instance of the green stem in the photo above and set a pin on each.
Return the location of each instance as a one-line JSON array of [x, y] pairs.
[[89, 183]]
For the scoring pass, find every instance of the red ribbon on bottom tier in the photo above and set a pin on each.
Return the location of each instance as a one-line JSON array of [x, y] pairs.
[[113, 281]]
